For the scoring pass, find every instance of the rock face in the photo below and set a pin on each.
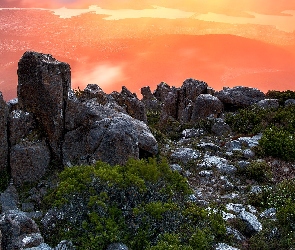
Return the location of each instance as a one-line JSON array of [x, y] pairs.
[[268, 103], [206, 105], [43, 85], [19, 231], [3, 134], [106, 135], [239, 97], [29, 161]]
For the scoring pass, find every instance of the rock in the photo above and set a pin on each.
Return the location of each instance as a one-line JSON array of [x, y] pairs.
[[239, 97], [42, 246], [248, 153], [150, 101], [223, 246], [9, 199], [268, 103], [206, 173], [162, 91], [21, 125], [176, 167], [134, 107], [290, 102], [117, 246], [13, 104], [29, 161], [65, 245], [107, 135], [170, 106], [235, 234], [237, 208], [208, 146], [269, 213], [206, 105], [19, 231], [191, 133], [43, 85], [220, 127], [93, 91], [191, 89], [185, 155], [3, 134], [253, 225]]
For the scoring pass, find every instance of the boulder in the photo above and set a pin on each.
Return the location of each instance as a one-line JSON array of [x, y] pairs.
[[19, 231], [43, 85], [29, 161], [3, 134], [133, 106], [117, 246], [170, 105], [93, 91], [21, 125], [239, 97], [107, 135], [206, 105], [9, 199], [290, 102], [220, 127], [268, 103], [252, 224]]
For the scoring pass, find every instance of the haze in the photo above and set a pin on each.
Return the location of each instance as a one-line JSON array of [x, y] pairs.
[[114, 43]]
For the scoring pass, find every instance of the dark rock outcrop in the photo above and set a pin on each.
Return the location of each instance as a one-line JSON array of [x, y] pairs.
[[239, 97], [43, 85], [133, 106], [206, 105], [107, 135], [29, 161], [3, 134], [268, 103], [161, 91], [150, 101], [19, 231]]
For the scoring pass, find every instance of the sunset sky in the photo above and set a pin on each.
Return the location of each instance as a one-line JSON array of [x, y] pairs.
[[138, 43]]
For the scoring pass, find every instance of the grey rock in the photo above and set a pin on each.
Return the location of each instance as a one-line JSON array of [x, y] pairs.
[[185, 155], [13, 104], [269, 213], [20, 230], [109, 136], [248, 153], [27, 206], [250, 141], [239, 97], [152, 104], [206, 173], [220, 127], [223, 246], [191, 133], [117, 246], [43, 85], [226, 169], [21, 125], [65, 245], [236, 208], [206, 105], [176, 167], [290, 102], [31, 240], [42, 246], [253, 225], [208, 146], [268, 103], [9, 199], [3, 134], [235, 234], [29, 161], [256, 189], [93, 91]]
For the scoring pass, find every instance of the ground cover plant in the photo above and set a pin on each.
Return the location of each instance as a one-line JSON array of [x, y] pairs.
[[143, 204]]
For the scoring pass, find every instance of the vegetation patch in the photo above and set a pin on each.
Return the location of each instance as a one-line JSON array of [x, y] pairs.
[[143, 204]]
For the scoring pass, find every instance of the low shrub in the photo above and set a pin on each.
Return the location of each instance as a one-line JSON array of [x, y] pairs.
[[282, 96], [143, 204]]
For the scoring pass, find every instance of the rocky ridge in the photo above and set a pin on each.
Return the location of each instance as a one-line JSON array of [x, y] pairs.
[[51, 125]]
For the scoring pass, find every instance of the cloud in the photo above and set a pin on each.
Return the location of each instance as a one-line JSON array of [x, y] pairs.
[[105, 75]]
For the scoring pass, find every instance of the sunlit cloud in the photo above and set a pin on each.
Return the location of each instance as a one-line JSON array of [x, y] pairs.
[[104, 75]]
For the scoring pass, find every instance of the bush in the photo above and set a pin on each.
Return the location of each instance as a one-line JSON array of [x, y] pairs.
[[143, 204], [279, 143], [282, 96], [258, 170]]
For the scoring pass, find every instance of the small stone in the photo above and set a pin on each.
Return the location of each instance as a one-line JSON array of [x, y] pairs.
[[269, 213], [223, 246], [206, 173], [253, 225]]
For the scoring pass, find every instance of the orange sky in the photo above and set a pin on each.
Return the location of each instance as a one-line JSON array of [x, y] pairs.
[[138, 43]]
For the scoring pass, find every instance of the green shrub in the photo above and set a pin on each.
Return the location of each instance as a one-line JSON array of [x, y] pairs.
[[282, 96], [143, 204], [257, 170], [279, 143]]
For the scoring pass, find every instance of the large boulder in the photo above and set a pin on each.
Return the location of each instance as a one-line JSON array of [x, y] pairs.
[[19, 231], [150, 101], [206, 105], [106, 135], [239, 97], [3, 134], [29, 161], [43, 85]]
